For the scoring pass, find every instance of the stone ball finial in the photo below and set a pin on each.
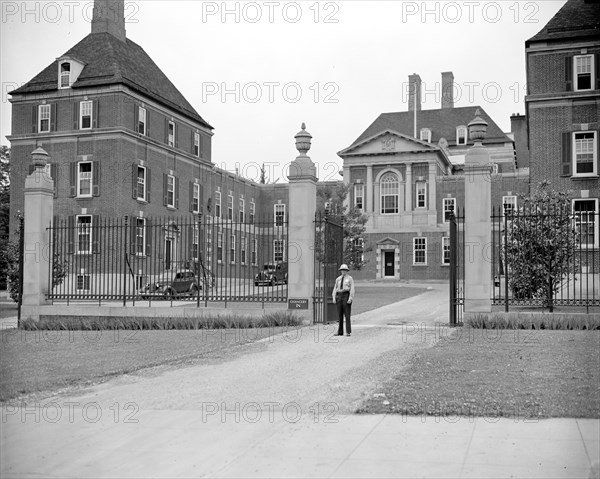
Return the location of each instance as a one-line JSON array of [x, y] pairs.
[[303, 138], [40, 158], [477, 129]]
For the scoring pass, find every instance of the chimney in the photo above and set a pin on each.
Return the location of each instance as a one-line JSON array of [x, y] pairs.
[[414, 92], [109, 17], [447, 90]]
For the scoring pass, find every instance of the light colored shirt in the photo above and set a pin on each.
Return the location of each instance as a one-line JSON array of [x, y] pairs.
[[344, 283]]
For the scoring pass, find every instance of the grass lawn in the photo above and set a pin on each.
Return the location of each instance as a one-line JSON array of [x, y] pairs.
[[512, 373], [372, 296]]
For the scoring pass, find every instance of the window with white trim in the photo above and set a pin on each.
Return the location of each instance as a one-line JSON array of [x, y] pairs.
[[585, 153], [196, 198], [65, 75], [446, 250], [425, 135], [141, 126], [509, 205], [584, 72], [253, 255], [421, 190], [420, 251], [171, 191], [230, 207], [140, 236], [195, 242], [84, 179], [242, 212], [243, 246], [359, 191], [196, 144], [85, 114], [252, 212], [171, 134], [278, 251], [83, 282], [217, 204], [389, 193], [220, 247], [232, 248], [448, 207], [43, 118], [585, 218], [279, 214], [84, 234], [141, 183], [461, 135]]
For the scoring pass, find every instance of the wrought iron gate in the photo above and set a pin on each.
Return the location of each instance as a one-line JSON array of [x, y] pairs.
[[329, 254], [457, 268]]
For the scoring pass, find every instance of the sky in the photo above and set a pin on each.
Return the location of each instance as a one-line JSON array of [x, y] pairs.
[[257, 70]]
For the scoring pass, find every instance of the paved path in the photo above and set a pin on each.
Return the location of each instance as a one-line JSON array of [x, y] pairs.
[[286, 410]]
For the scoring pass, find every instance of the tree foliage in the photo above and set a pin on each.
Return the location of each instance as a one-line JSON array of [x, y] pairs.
[[541, 245], [4, 212]]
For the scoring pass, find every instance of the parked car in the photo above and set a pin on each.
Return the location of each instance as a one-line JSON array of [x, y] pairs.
[[272, 274], [172, 284]]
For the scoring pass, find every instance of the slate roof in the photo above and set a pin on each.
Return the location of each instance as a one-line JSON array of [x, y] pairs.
[[111, 61], [577, 18], [442, 123]]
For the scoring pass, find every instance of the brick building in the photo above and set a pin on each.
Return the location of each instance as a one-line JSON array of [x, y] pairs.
[[562, 104]]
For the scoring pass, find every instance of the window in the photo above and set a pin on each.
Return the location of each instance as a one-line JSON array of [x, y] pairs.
[[509, 205], [220, 247], [196, 198], [243, 245], [449, 207], [359, 202], [252, 211], [197, 144], [140, 236], [242, 208], [278, 251], [85, 115], [84, 234], [584, 72], [358, 249], [171, 134], [229, 207], [232, 248], [195, 242], [141, 126], [65, 75], [253, 253], [171, 191], [141, 183], [426, 135], [419, 250], [84, 179], [585, 212], [585, 153], [445, 250], [421, 188], [279, 214], [83, 282], [217, 204], [389, 194], [44, 118], [461, 135]]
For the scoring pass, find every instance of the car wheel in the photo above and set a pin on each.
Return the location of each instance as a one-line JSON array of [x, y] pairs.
[[272, 282], [256, 283], [169, 295], [194, 290]]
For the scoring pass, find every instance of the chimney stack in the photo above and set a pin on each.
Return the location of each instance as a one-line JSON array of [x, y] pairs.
[[447, 90], [109, 17], [414, 92]]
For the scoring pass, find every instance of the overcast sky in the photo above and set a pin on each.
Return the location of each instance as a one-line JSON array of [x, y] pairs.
[[256, 70]]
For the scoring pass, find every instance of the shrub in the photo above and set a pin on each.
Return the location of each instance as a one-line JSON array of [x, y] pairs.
[[556, 321]]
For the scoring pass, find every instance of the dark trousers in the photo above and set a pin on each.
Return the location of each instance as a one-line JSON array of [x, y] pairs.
[[343, 309]]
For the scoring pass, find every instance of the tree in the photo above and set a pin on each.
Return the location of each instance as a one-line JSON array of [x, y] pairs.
[[541, 245], [331, 196], [4, 212]]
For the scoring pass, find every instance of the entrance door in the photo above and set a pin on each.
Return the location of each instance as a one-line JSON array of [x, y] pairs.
[[388, 261]]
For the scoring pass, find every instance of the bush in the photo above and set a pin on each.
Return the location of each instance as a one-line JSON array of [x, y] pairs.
[[556, 321]]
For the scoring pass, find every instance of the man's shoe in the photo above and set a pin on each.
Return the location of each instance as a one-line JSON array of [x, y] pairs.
[[348, 334]]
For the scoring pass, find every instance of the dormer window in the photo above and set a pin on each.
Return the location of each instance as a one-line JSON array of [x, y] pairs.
[[461, 135], [426, 135], [65, 75]]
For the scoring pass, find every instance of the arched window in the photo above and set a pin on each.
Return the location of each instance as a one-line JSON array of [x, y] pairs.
[[65, 75], [461, 135], [389, 193], [426, 134]]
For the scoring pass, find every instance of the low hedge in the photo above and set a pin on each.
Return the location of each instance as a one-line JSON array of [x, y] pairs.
[[550, 321]]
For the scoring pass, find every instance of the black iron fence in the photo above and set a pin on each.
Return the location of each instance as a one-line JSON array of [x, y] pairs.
[[545, 258], [456, 253], [194, 258]]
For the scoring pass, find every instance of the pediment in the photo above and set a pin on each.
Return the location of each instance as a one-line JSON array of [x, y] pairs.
[[388, 142], [388, 241]]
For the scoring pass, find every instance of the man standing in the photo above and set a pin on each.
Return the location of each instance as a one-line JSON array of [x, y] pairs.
[[343, 295]]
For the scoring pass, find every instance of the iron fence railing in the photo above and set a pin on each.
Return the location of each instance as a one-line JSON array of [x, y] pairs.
[[196, 258], [545, 258]]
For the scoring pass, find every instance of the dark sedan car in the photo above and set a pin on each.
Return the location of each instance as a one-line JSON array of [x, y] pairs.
[[171, 285]]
